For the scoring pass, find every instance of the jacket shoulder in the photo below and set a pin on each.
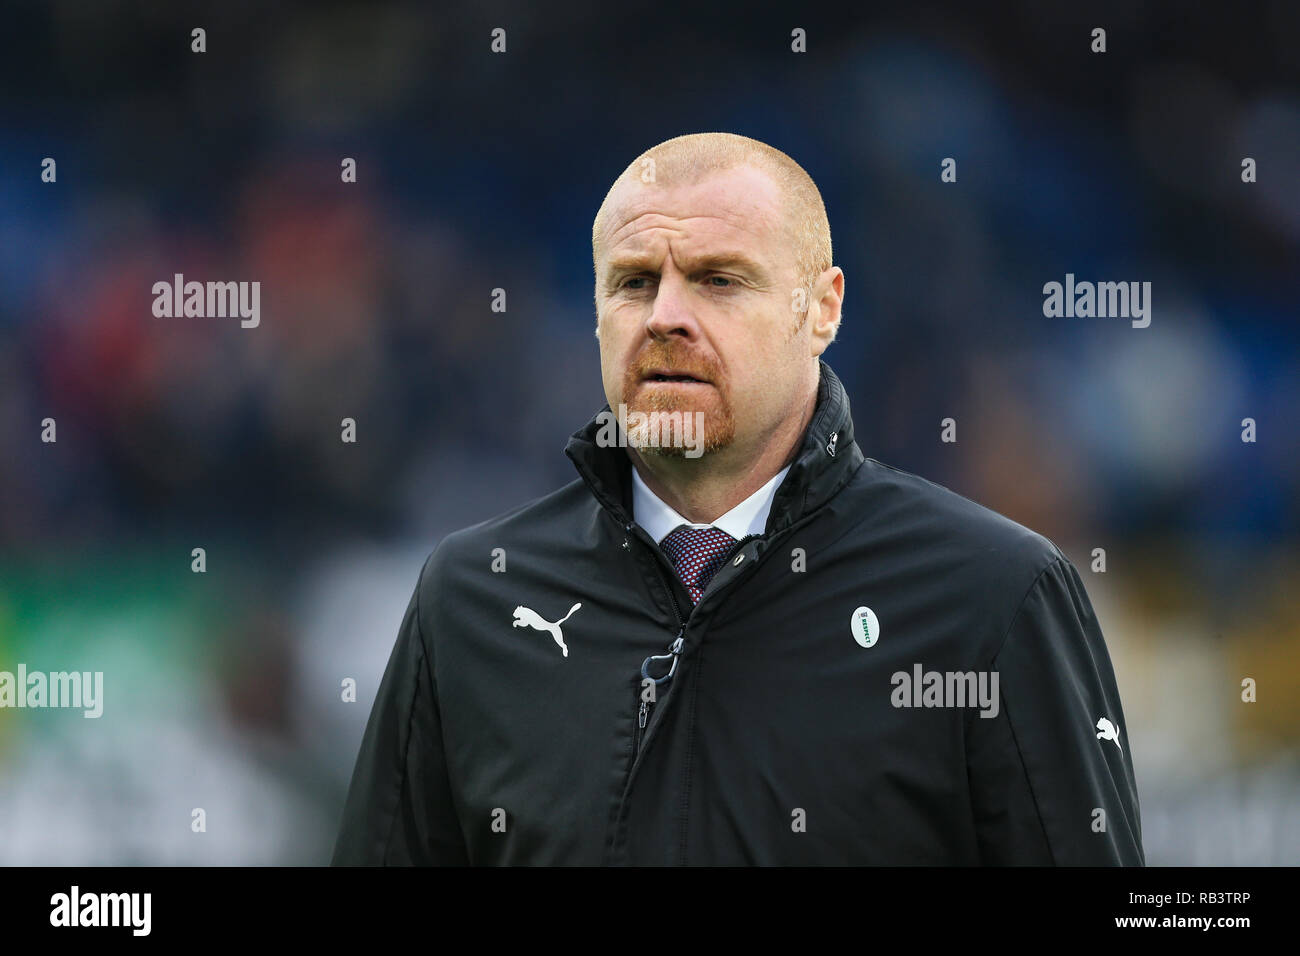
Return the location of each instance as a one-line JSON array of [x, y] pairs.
[[956, 533], [541, 525], [539, 516]]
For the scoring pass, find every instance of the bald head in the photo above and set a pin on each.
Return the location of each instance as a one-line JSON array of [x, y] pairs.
[[685, 160]]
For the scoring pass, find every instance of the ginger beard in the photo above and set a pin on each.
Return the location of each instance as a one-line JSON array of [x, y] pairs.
[[710, 395]]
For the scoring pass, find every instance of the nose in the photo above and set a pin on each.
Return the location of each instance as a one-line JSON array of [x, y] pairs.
[[672, 312]]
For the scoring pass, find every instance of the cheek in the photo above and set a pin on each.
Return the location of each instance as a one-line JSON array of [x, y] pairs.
[[614, 345], [761, 367], [614, 359], [754, 346], [616, 325]]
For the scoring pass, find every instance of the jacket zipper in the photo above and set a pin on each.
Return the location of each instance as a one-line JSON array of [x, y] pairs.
[[674, 649], [643, 711], [646, 708]]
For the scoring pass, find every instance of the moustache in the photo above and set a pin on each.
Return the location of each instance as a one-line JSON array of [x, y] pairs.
[[674, 363]]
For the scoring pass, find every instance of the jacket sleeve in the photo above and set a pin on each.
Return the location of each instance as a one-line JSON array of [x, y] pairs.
[[399, 809], [1046, 789]]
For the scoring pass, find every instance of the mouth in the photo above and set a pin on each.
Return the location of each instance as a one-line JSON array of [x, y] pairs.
[[668, 375]]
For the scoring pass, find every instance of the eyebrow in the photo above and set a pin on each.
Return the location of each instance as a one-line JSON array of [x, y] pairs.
[[636, 262]]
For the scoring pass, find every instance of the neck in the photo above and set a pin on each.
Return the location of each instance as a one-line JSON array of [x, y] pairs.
[[703, 489]]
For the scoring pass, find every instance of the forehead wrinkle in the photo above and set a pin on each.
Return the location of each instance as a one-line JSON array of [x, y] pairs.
[[642, 238], [637, 235], [737, 208]]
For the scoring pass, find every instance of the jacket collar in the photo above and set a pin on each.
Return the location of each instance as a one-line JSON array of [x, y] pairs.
[[826, 460]]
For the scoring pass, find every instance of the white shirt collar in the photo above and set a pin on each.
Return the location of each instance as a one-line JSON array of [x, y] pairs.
[[748, 517]]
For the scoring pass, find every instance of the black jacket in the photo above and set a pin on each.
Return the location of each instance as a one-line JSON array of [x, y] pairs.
[[782, 737]]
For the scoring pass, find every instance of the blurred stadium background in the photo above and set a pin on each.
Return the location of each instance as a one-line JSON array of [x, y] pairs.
[[479, 171]]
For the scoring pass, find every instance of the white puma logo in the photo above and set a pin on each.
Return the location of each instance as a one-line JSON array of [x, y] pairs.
[[1108, 732], [527, 617]]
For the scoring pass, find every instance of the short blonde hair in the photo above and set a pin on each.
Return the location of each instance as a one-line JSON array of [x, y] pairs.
[[690, 158]]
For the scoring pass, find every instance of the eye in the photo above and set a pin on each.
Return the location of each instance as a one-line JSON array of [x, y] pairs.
[[728, 282], [626, 283]]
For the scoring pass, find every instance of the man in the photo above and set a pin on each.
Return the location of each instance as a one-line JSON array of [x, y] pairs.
[[746, 644]]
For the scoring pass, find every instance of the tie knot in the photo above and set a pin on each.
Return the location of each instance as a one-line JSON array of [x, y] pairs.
[[696, 554]]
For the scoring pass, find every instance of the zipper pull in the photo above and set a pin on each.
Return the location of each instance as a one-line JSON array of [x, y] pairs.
[[640, 717], [674, 650]]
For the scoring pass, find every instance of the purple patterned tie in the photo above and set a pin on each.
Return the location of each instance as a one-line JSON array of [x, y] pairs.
[[696, 553]]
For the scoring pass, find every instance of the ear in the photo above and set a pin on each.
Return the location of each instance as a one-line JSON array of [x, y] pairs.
[[824, 310]]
